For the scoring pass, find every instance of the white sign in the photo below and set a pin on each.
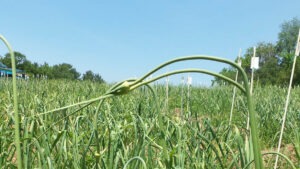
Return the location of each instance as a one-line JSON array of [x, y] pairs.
[[254, 63], [189, 80], [167, 79], [239, 62], [182, 80]]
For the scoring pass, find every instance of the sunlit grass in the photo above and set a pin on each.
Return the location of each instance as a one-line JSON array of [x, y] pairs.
[[134, 127]]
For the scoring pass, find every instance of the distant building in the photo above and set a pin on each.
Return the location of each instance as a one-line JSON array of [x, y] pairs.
[[7, 72]]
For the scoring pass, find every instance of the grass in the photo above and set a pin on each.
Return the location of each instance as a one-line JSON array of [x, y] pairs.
[[137, 126]]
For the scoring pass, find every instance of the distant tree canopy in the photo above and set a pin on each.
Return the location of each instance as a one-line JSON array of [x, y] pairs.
[[275, 60], [59, 71], [89, 75], [20, 59]]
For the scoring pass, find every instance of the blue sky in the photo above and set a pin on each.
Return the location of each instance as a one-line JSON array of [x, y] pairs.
[[124, 39]]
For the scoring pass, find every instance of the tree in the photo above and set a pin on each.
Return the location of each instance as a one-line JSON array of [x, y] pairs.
[[30, 68], [286, 43], [287, 39], [45, 70], [268, 64], [59, 71], [275, 59], [89, 75], [65, 71], [19, 57], [98, 78]]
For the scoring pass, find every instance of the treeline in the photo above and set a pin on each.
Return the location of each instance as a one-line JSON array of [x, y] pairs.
[[275, 59], [58, 71]]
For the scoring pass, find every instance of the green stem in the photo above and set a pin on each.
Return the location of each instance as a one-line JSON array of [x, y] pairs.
[[190, 71], [186, 58], [253, 125], [16, 114], [88, 102], [135, 158], [97, 142]]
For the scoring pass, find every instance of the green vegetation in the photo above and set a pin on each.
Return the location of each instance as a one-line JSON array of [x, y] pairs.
[[171, 143], [133, 125], [58, 71]]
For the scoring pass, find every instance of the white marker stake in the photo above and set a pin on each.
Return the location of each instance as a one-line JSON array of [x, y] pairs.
[[234, 88], [288, 97], [182, 95], [189, 83], [167, 92], [254, 65]]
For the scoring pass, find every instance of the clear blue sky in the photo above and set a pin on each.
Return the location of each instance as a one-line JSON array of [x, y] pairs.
[[123, 39]]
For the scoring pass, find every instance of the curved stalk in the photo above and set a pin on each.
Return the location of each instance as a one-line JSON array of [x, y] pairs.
[[16, 114], [135, 158], [186, 58], [190, 71]]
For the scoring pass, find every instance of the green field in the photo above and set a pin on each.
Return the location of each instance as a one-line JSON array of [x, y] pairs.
[[142, 130]]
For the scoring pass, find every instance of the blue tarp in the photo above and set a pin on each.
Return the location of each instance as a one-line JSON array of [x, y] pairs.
[[5, 72], [9, 71]]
